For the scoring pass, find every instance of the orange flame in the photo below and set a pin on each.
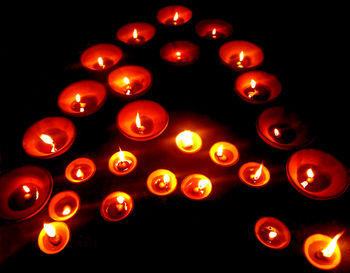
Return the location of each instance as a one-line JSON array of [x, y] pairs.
[[126, 80], [50, 230], [203, 183], [166, 178], [178, 55], [121, 155], [329, 250], [26, 188], [77, 98]]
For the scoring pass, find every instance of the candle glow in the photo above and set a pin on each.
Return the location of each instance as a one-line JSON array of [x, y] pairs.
[[122, 162], [161, 182], [188, 141], [54, 237], [196, 186], [64, 205], [254, 174], [116, 206]]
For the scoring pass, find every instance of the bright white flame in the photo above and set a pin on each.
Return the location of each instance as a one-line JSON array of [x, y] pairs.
[[126, 80], [219, 151], [276, 132], [166, 178], [178, 55], [100, 62], [176, 16], [272, 234], [138, 121], [329, 250], [241, 56], [252, 83], [186, 138], [213, 32], [26, 188], [258, 173], [120, 199], [310, 173], [66, 210], [79, 173], [203, 183], [50, 230], [134, 34], [77, 98], [304, 184], [48, 140], [121, 155]]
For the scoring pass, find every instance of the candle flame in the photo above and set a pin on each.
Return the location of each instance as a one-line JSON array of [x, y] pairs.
[[50, 230], [276, 132], [120, 199], [66, 210], [329, 250], [126, 80], [272, 234], [48, 140], [77, 98], [203, 183], [219, 151], [186, 138], [79, 173], [26, 188], [213, 32], [121, 155], [166, 178], [310, 173], [241, 56], [178, 55], [100, 62], [258, 172], [138, 121], [252, 83], [134, 34], [176, 16]]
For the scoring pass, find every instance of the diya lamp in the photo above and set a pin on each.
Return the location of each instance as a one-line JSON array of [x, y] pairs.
[[136, 33], [224, 154], [254, 174], [283, 128], [241, 55], [174, 15], [101, 56], [82, 98], [161, 182], [142, 120], [317, 174], [49, 137], [257, 86], [213, 29], [64, 205], [272, 233], [122, 163], [322, 251], [116, 206], [24, 192], [80, 170], [54, 237], [188, 141], [130, 80], [196, 186], [180, 52]]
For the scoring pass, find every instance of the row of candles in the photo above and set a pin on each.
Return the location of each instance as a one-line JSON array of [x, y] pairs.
[[144, 120]]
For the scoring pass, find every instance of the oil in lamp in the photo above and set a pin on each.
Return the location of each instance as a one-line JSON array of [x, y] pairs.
[[136, 33], [116, 206], [80, 170], [180, 52], [213, 29], [101, 56], [161, 182], [54, 237], [82, 98], [174, 15], [64, 205], [272, 233], [224, 154], [196, 186], [24, 192], [254, 174], [122, 162], [188, 141], [322, 251]]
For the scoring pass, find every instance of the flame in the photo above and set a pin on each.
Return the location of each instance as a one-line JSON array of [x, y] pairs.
[[120, 199], [258, 172], [219, 151], [166, 178], [121, 155], [26, 188], [329, 250], [48, 140], [241, 56], [310, 173], [134, 34], [79, 173], [203, 183], [176, 16], [100, 62], [178, 55], [276, 132], [186, 138], [66, 210], [213, 32], [50, 230], [272, 234], [77, 98], [138, 121], [126, 80], [252, 83]]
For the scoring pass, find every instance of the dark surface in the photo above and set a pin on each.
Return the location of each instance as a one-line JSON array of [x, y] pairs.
[[40, 52]]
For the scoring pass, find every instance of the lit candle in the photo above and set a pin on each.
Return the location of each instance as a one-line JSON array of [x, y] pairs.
[[64, 205], [142, 125], [161, 182], [116, 206], [188, 141], [257, 92], [196, 186], [213, 29], [24, 197], [180, 52], [224, 154], [80, 170], [53, 237], [136, 33], [122, 162], [254, 174], [174, 15], [312, 178], [48, 140], [322, 251], [136, 38], [282, 133]]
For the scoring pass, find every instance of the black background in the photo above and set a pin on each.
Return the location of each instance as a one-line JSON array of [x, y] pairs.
[[303, 47]]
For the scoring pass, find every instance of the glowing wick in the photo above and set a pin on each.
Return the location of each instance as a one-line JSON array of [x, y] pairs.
[[257, 174], [100, 62], [163, 182], [219, 151], [310, 177], [27, 194], [329, 250], [123, 164], [254, 91], [48, 140]]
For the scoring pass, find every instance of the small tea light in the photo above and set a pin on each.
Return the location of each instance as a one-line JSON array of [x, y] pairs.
[[80, 170], [161, 182], [142, 120], [196, 186], [136, 33], [82, 98], [101, 56], [116, 206], [254, 174], [224, 154], [241, 55], [130, 80], [64, 205], [174, 15], [188, 141], [322, 251], [272, 233], [213, 29], [122, 163], [24, 192], [317, 174], [54, 237], [180, 52], [49, 137]]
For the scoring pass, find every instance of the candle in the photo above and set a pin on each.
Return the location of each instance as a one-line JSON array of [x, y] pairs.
[[188, 141], [272, 233], [116, 206], [101, 56], [64, 205], [316, 174], [254, 174], [122, 163], [49, 137], [82, 98], [196, 186], [54, 237], [213, 29], [136, 33], [80, 170], [142, 120], [224, 154], [174, 15], [161, 182], [322, 251], [180, 52], [241, 55], [24, 192], [130, 80]]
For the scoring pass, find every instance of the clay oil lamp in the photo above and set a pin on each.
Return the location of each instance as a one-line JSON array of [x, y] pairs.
[[196, 186], [24, 192], [116, 206], [317, 174], [122, 163], [101, 56], [136, 33], [188, 142], [161, 182], [174, 15], [54, 237], [213, 29], [142, 120], [254, 174], [130, 80], [180, 53], [80, 170], [64, 205], [257, 86], [224, 154], [49, 137]]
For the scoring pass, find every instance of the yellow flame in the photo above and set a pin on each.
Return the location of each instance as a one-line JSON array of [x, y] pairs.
[[100, 62], [138, 121], [186, 138], [258, 173], [121, 155], [134, 34], [219, 151], [329, 250], [50, 230], [166, 178], [176, 16], [66, 210]]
